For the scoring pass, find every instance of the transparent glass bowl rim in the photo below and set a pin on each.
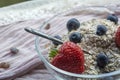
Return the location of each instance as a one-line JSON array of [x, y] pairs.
[[37, 40]]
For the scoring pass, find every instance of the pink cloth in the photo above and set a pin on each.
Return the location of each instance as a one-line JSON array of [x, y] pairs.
[[13, 35]]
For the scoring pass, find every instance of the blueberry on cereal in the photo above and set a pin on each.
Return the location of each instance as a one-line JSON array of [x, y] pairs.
[[75, 37], [73, 24], [58, 37], [102, 60], [101, 30], [113, 18]]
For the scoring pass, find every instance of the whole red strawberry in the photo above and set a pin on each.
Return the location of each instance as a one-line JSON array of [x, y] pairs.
[[117, 37], [69, 58]]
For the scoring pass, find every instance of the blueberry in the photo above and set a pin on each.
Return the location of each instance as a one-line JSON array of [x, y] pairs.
[[73, 24], [58, 37], [101, 30], [75, 37], [113, 18], [14, 50], [102, 60]]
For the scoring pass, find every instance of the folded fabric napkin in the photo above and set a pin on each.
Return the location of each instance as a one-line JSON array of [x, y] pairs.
[[27, 59]]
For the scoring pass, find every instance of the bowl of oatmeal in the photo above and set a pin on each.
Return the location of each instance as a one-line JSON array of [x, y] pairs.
[[91, 44]]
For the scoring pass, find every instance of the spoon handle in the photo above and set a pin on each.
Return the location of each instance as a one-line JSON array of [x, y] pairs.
[[41, 34]]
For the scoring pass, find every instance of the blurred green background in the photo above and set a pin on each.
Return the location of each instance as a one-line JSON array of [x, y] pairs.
[[9, 2]]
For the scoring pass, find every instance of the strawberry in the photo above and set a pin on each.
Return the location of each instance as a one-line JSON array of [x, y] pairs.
[[117, 37], [70, 58]]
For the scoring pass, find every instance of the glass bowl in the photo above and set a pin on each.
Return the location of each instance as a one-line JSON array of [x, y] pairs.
[[57, 25]]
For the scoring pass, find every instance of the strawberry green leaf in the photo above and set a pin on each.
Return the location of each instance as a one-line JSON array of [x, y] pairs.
[[53, 53]]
